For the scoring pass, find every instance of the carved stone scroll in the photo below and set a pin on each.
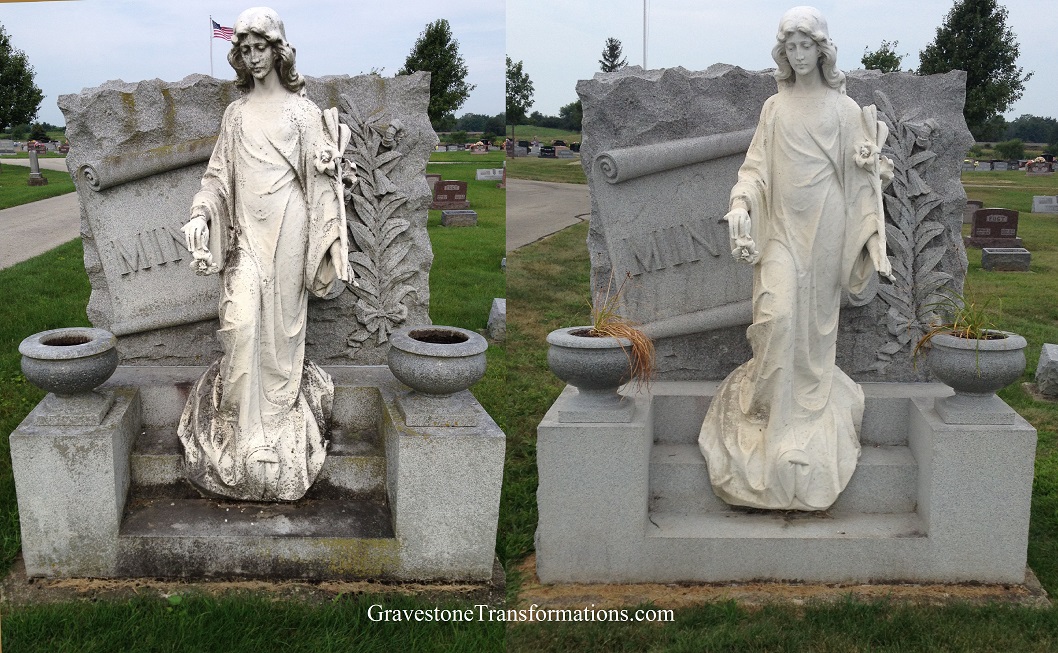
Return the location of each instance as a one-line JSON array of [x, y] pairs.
[[627, 163], [116, 170]]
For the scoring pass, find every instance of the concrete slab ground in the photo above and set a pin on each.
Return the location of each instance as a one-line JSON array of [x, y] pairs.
[[536, 209]]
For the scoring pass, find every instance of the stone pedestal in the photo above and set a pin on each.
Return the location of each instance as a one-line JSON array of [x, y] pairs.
[[392, 501], [929, 501], [72, 481]]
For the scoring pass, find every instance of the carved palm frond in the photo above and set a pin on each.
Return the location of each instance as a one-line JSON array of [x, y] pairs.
[[913, 224], [380, 256]]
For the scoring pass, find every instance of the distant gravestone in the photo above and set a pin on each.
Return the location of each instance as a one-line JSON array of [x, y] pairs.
[[35, 178], [999, 165], [1047, 371], [968, 166], [1013, 164], [1005, 259], [994, 228], [1045, 204], [459, 218], [1037, 168], [565, 154], [972, 207], [450, 195], [454, 148], [497, 324], [547, 152], [489, 174], [432, 179], [7, 147], [524, 144]]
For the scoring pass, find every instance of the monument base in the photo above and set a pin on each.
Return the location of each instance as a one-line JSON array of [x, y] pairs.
[[392, 502], [929, 501]]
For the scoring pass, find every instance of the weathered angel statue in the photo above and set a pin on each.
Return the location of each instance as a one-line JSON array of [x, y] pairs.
[[806, 213], [270, 219]]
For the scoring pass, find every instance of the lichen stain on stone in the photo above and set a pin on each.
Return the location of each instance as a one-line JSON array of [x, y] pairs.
[[169, 117], [360, 557]]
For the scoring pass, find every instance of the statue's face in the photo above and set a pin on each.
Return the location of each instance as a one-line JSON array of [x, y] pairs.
[[257, 56], [803, 53]]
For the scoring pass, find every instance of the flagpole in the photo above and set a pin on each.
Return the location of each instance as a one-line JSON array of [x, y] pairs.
[[211, 45]]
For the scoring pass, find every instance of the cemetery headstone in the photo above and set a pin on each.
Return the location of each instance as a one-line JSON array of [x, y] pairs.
[[1045, 204], [999, 165], [488, 174], [1047, 371], [459, 218], [565, 153], [968, 166], [497, 324], [450, 194], [35, 178], [971, 207], [994, 228], [1037, 168], [547, 151], [432, 179], [1005, 259]]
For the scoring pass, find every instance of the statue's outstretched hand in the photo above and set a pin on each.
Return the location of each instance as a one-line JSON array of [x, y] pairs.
[[738, 225], [196, 237]]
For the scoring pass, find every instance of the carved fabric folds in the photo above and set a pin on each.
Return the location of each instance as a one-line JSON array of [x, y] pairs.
[[254, 426], [783, 429]]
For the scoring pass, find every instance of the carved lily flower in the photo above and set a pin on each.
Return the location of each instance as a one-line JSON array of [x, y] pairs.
[[325, 161], [885, 169], [866, 154]]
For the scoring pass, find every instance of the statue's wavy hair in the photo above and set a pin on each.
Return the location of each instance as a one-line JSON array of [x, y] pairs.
[[284, 56], [816, 28]]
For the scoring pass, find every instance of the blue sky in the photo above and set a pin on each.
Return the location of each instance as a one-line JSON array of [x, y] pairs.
[[561, 41], [82, 43]]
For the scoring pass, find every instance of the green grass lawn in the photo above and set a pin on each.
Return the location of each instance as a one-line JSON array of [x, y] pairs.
[[25, 155], [546, 135], [566, 171], [14, 189]]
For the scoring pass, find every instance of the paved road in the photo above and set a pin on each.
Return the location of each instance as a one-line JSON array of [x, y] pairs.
[[539, 208], [34, 228], [45, 163]]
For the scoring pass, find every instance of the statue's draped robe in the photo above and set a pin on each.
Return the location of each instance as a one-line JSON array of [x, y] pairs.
[[783, 429], [254, 426]]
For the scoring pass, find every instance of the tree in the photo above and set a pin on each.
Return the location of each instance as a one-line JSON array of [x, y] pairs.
[[519, 93], [884, 58], [1033, 129], [437, 52], [975, 38], [19, 96], [611, 56], [1014, 149], [572, 115]]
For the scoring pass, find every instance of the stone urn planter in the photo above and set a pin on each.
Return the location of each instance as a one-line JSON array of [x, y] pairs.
[[976, 369], [596, 367], [70, 363], [438, 363]]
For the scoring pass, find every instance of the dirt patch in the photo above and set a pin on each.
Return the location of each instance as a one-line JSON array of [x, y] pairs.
[[682, 595], [16, 589]]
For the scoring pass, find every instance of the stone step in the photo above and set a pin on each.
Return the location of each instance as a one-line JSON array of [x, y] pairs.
[[885, 481], [311, 538], [784, 526], [355, 465], [680, 407]]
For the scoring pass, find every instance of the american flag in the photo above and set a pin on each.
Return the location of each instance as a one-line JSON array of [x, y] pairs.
[[220, 32]]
